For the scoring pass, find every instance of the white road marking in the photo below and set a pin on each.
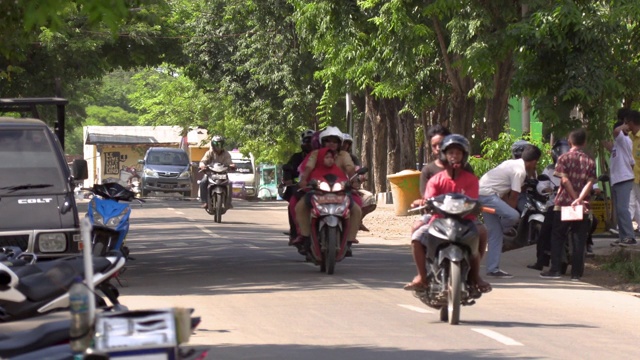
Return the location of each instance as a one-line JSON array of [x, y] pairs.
[[179, 212], [416, 309], [498, 337], [170, 208], [190, 219], [356, 284], [207, 231]]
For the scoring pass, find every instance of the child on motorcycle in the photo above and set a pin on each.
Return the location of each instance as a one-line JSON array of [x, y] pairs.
[[326, 165], [454, 152]]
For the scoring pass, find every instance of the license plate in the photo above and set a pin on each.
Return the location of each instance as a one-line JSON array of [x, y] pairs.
[[166, 186], [237, 190], [330, 199]]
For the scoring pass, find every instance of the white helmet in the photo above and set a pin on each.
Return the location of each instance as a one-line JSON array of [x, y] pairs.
[[347, 138], [331, 131]]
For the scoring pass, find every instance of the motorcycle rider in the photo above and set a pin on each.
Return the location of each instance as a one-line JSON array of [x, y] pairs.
[[290, 177], [454, 154], [216, 154], [368, 200]]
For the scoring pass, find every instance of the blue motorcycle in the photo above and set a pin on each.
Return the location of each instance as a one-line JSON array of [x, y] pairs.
[[109, 212]]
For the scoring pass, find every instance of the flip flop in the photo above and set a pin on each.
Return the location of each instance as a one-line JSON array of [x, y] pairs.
[[415, 286], [484, 288]]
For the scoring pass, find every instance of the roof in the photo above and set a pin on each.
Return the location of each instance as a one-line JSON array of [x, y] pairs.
[[133, 135], [6, 121]]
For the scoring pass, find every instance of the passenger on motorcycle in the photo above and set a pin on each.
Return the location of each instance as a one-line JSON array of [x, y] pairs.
[[291, 176], [454, 153], [368, 200], [216, 154]]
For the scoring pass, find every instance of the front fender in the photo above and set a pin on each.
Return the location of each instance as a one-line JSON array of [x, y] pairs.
[[219, 190], [536, 217], [451, 253], [331, 221]]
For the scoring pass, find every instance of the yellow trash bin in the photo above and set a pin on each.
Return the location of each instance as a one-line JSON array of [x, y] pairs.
[[404, 189]]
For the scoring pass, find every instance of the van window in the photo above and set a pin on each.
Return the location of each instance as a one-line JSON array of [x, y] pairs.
[[167, 158], [28, 157]]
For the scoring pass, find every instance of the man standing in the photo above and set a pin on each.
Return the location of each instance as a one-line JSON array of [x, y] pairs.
[[577, 173], [632, 120], [622, 163], [216, 154], [506, 179]]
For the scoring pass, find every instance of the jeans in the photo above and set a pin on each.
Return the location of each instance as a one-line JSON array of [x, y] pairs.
[[504, 218], [574, 231], [621, 196]]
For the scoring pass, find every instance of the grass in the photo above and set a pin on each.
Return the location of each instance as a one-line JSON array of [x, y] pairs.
[[625, 263]]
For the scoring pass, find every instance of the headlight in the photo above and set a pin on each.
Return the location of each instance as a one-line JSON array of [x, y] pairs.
[[184, 175], [52, 242], [324, 187], [337, 187], [114, 221], [97, 217], [150, 173]]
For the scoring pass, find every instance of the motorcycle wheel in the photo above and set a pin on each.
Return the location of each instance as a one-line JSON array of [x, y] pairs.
[[218, 207], [534, 232], [455, 293], [332, 249]]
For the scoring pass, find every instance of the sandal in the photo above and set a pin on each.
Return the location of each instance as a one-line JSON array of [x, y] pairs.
[[412, 286], [486, 288]]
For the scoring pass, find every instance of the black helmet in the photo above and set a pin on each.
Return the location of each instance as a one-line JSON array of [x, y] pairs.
[[306, 135], [560, 147], [458, 141], [217, 141], [517, 148]]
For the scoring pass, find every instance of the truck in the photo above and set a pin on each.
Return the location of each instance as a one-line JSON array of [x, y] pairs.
[[38, 210]]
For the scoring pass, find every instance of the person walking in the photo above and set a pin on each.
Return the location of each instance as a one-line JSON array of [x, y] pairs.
[[577, 173], [506, 179]]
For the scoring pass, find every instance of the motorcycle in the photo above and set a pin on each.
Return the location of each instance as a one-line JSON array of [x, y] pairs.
[[330, 210], [531, 217], [451, 243], [109, 214], [218, 190], [29, 288]]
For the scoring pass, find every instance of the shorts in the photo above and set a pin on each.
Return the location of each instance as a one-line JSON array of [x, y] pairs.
[[418, 235]]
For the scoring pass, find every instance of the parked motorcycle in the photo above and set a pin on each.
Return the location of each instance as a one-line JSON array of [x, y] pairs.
[[531, 217], [451, 243], [109, 214], [29, 288], [218, 190], [330, 210]]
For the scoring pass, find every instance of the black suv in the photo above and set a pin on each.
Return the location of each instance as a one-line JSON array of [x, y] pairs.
[[166, 170]]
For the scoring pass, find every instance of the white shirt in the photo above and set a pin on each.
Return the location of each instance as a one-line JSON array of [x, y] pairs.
[[548, 186], [508, 176], [621, 162]]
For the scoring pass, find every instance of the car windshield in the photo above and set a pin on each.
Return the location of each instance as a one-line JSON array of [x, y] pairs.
[[243, 167], [167, 158], [28, 157]]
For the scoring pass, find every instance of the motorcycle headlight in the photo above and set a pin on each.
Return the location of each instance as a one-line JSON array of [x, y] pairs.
[[324, 186], [114, 221], [184, 175], [150, 173], [338, 187], [97, 217], [52, 242]]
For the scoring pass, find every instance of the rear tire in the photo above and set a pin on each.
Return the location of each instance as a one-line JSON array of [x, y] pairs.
[[455, 292]]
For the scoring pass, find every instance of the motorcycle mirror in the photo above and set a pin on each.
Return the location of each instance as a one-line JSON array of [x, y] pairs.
[[543, 177]]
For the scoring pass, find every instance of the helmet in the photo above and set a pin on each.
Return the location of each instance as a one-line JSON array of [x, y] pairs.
[[217, 140], [307, 134], [347, 138], [329, 132], [518, 147], [560, 147], [455, 140]]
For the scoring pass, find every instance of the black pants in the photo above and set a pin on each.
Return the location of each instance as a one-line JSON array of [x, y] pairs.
[[578, 237], [543, 243]]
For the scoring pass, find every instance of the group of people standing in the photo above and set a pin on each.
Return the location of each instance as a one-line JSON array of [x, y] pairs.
[[573, 176]]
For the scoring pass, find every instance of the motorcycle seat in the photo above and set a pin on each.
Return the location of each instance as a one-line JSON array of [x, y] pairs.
[[54, 278], [15, 341]]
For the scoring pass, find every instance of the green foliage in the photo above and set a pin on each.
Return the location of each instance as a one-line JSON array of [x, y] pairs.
[[624, 263], [494, 152]]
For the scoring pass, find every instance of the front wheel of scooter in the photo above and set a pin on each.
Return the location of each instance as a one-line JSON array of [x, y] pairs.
[[218, 207], [455, 292]]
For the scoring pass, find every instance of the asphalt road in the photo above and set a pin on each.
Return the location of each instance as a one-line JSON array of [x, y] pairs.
[[258, 299]]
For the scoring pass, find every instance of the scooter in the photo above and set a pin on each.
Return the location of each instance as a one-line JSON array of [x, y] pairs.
[[451, 243], [29, 288], [218, 190], [330, 210], [109, 214], [531, 217]]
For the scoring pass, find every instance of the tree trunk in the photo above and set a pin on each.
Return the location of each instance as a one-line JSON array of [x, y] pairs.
[[390, 113], [408, 140], [496, 111], [462, 110], [378, 164]]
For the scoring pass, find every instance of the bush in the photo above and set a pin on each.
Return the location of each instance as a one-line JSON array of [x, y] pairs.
[[625, 263], [494, 152]]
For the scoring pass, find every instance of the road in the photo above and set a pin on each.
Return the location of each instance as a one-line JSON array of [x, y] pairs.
[[258, 299]]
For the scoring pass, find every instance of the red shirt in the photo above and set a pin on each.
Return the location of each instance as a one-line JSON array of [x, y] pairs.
[[579, 168], [465, 183]]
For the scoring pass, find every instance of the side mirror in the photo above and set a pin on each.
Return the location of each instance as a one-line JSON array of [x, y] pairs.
[[79, 169], [362, 171], [543, 177]]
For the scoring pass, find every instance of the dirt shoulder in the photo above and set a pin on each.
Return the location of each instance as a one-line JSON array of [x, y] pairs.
[[383, 223]]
